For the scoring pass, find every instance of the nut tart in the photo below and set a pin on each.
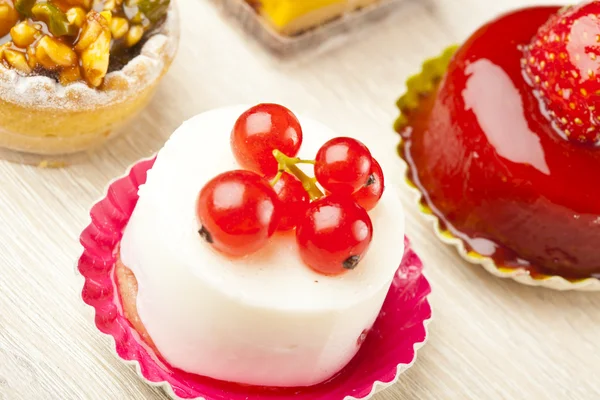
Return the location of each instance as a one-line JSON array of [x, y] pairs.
[[73, 71]]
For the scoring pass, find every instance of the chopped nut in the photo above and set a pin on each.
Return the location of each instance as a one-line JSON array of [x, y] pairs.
[[2, 48], [52, 54], [76, 16], [17, 60], [24, 6], [119, 27], [138, 18], [8, 17], [23, 34], [94, 48], [31, 57], [110, 5], [57, 21], [154, 10], [134, 35], [70, 75], [87, 4], [90, 31], [107, 16]]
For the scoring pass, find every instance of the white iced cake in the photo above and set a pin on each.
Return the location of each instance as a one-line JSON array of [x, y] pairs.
[[266, 319]]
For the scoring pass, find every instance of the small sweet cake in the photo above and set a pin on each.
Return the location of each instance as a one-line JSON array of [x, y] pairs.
[[501, 136], [292, 17], [238, 265], [72, 71]]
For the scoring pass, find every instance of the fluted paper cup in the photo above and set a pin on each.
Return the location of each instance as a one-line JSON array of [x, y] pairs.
[[389, 349]]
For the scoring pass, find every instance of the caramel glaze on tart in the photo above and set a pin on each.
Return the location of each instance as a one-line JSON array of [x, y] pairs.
[[490, 165]]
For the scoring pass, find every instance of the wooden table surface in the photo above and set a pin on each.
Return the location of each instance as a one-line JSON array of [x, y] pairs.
[[490, 338]]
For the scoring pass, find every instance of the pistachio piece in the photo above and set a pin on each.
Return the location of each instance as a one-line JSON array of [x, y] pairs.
[[154, 10], [57, 21], [24, 7]]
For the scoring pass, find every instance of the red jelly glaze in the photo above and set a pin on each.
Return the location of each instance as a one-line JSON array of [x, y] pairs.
[[492, 167]]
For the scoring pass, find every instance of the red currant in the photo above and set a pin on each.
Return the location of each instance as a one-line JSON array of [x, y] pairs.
[[259, 131], [239, 212], [334, 234], [343, 165], [293, 198], [368, 196]]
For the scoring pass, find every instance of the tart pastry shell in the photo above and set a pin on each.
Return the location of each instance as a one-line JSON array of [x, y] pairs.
[[388, 351], [423, 84], [40, 118]]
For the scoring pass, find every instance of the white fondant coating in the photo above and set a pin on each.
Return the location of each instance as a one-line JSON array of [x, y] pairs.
[[266, 319]]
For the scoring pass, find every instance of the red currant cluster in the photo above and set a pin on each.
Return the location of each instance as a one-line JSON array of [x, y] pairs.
[[240, 210]]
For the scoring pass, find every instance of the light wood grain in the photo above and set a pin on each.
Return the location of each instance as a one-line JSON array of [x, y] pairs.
[[490, 339]]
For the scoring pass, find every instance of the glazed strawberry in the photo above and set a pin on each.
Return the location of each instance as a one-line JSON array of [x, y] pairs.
[[563, 64]]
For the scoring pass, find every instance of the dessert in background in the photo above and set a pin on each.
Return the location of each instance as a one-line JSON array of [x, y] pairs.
[[501, 137], [291, 17], [288, 27], [72, 71]]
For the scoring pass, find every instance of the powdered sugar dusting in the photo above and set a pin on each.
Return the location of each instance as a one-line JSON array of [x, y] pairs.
[[42, 92]]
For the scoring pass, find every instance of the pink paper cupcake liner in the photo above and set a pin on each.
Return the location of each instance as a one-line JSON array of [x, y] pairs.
[[389, 349]]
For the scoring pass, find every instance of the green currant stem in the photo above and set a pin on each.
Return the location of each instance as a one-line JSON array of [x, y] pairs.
[[289, 164], [277, 177], [299, 161]]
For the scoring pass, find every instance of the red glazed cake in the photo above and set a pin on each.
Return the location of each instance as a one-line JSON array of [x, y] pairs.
[[501, 138]]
